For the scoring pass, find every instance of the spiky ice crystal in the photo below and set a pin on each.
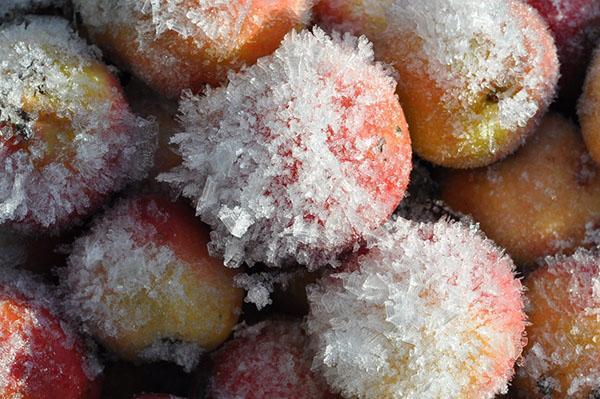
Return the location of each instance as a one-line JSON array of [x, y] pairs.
[[286, 162]]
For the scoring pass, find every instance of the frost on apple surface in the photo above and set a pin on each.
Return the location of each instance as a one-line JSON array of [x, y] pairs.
[[564, 306], [121, 262], [209, 32], [474, 52], [265, 360], [41, 311], [66, 134], [288, 162], [431, 310]]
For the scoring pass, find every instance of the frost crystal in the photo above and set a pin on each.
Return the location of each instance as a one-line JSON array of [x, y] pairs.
[[430, 311], [289, 162], [66, 135]]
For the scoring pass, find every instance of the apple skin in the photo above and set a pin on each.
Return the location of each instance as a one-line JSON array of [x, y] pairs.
[[266, 360], [588, 109], [563, 345]]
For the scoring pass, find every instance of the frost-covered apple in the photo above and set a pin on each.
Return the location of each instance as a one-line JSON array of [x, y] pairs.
[[575, 25], [143, 284], [40, 357], [540, 201], [67, 137], [266, 360], [429, 311], [298, 156], [474, 76], [563, 349], [184, 44]]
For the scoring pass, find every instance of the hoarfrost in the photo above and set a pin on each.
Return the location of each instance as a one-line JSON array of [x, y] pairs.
[[431, 310], [286, 162]]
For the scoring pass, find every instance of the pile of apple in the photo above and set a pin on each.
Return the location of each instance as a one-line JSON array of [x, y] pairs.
[[299, 199]]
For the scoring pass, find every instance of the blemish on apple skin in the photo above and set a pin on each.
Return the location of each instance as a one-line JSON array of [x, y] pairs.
[[492, 97]]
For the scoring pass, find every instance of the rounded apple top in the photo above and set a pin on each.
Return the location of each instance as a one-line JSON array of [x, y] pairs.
[[266, 360], [297, 156], [67, 137], [430, 310]]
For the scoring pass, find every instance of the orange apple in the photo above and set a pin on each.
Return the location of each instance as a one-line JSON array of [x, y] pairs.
[[474, 77], [563, 336], [177, 45], [542, 200], [589, 109]]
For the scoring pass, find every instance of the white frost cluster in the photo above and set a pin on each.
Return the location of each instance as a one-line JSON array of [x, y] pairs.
[[103, 146], [467, 47], [23, 286], [431, 311], [117, 262], [578, 277], [277, 162]]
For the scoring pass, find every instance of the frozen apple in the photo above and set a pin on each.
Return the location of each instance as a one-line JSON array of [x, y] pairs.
[[184, 44], [67, 137], [589, 109], [561, 357], [474, 76], [428, 311], [575, 25], [298, 156], [40, 357], [543, 200], [266, 360], [142, 283]]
